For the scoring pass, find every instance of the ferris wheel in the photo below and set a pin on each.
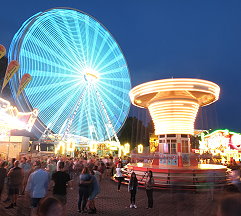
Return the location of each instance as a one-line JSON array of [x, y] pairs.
[[80, 79]]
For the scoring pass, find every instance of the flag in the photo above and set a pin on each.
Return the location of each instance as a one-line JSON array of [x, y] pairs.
[[12, 68], [23, 83], [2, 51]]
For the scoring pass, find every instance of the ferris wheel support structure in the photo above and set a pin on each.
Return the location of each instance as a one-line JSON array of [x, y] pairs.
[[109, 122], [75, 110], [108, 119]]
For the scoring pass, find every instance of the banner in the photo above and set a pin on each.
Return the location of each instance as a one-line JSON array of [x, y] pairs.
[[23, 83], [12, 68], [2, 51]]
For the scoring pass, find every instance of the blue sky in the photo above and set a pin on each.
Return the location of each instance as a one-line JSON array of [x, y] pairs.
[[163, 39]]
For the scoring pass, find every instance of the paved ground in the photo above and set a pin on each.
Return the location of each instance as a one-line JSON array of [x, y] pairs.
[[111, 202]]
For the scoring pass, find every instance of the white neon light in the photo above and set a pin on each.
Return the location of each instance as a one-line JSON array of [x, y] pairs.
[[126, 149], [140, 148]]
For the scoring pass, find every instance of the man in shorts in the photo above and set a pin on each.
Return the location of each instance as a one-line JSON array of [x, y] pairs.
[[37, 185]]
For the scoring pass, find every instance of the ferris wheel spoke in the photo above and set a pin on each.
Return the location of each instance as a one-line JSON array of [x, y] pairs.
[[87, 35], [71, 43], [56, 73], [54, 49], [55, 116], [109, 94], [66, 47], [115, 87], [109, 97], [118, 80], [100, 49], [103, 58], [51, 100], [113, 61], [60, 52], [41, 59], [81, 44], [68, 42], [93, 49], [33, 89], [117, 70]]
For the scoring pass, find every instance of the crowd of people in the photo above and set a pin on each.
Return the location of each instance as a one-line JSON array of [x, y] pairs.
[[45, 182], [37, 177]]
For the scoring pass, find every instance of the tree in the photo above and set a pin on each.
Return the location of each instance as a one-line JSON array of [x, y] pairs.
[[194, 140], [134, 132]]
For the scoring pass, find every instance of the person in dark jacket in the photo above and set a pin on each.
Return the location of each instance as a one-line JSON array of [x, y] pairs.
[[3, 175], [15, 176], [10, 166], [132, 188], [149, 188]]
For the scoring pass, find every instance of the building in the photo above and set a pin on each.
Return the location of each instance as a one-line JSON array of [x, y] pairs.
[[12, 146], [222, 143]]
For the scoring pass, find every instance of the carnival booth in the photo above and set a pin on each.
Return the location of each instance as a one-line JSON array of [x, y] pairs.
[[11, 118], [223, 144]]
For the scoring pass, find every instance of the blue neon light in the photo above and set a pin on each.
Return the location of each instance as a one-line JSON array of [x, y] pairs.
[[68, 53]]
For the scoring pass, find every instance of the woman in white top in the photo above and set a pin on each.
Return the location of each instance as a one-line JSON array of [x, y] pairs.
[[119, 175]]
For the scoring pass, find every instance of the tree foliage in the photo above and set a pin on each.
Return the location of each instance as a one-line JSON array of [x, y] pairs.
[[135, 132]]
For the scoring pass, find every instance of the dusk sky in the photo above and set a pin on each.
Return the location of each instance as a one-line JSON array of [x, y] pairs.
[[164, 39]]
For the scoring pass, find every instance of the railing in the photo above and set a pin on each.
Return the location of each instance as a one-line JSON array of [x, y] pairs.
[[182, 179]]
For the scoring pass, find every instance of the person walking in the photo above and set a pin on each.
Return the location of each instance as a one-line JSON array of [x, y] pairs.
[[51, 167], [102, 169], [149, 188], [119, 176], [15, 177], [95, 189], [37, 185], [132, 188], [3, 175], [26, 171], [10, 166], [60, 179], [85, 181]]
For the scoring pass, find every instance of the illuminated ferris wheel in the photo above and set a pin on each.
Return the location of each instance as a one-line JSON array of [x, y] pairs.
[[80, 79]]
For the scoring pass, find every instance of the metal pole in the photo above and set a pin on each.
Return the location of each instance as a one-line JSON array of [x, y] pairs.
[[8, 146]]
